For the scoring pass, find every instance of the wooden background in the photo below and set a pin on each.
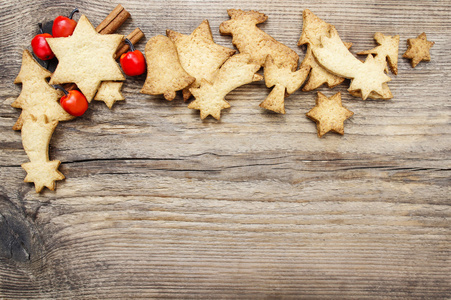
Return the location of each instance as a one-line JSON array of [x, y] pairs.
[[159, 204]]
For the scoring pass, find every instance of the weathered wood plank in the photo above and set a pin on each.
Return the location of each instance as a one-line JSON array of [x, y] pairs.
[[159, 204]]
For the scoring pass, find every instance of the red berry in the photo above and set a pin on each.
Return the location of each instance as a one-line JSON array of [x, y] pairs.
[[41, 48], [133, 63], [74, 102], [63, 26]]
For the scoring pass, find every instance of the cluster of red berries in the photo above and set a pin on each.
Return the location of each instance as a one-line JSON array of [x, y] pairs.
[[62, 27], [74, 102]]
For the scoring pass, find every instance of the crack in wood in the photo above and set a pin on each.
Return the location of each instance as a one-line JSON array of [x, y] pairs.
[[119, 159]]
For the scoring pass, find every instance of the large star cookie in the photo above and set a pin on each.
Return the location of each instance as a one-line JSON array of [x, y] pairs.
[[86, 58], [329, 114], [418, 49], [37, 96], [199, 55]]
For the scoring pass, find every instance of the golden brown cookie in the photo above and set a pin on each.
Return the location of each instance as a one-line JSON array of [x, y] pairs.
[[165, 74], [329, 114], [40, 115], [236, 71], [36, 134], [387, 50], [366, 77], [250, 39], [86, 58], [37, 96], [418, 49], [199, 55], [109, 92], [313, 29], [283, 80], [385, 93]]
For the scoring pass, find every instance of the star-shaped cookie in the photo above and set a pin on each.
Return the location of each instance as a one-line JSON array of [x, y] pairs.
[[199, 55], [370, 79], [329, 114], [418, 49], [36, 171], [86, 58], [109, 92]]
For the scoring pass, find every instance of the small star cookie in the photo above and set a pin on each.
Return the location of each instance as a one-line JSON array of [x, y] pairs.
[[199, 55], [86, 58], [329, 114], [418, 49], [109, 92]]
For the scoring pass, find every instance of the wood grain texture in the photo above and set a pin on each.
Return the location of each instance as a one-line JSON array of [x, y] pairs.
[[159, 204]]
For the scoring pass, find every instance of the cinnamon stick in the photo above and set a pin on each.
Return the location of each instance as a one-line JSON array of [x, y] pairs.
[[134, 37], [69, 86], [113, 21]]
